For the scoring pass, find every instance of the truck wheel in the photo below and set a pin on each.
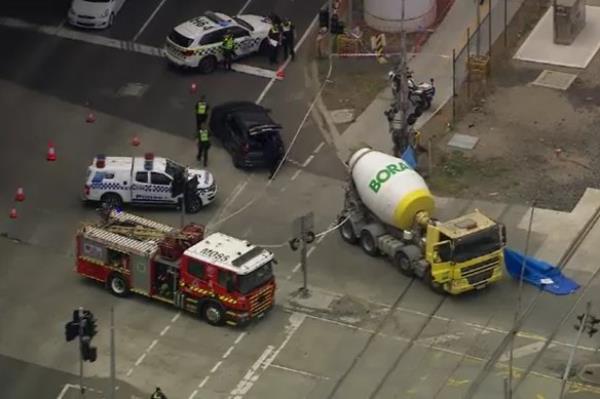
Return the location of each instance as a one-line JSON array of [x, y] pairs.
[[207, 64], [367, 243], [117, 285], [402, 263], [435, 287], [193, 204], [347, 232], [112, 200], [213, 313]]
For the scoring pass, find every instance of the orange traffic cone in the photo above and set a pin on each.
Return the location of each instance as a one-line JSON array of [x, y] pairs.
[[51, 156], [135, 141], [90, 118], [20, 195], [193, 88], [13, 213], [280, 74]]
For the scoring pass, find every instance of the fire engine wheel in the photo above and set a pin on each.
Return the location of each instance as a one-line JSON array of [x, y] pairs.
[[367, 243], [347, 233], [213, 313], [207, 64], [193, 204], [118, 285], [403, 264], [435, 287], [112, 200]]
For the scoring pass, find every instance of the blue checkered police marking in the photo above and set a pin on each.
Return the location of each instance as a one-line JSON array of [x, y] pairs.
[[152, 188], [107, 186]]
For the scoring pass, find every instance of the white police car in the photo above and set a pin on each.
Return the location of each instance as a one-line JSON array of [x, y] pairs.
[[147, 181], [197, 42]]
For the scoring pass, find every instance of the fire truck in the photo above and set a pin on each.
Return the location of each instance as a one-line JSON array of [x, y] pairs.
[[222, 279]]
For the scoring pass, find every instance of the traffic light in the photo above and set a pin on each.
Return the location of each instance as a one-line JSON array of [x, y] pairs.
[[71, 331], [90, 328], [593, 321], [88, 353]]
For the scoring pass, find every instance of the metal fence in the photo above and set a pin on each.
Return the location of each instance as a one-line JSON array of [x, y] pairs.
[[496, 19]]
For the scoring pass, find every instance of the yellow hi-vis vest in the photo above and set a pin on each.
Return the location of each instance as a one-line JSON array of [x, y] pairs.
[[203, 135], [201, 108]]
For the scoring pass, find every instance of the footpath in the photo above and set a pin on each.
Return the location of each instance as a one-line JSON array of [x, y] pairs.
[[433, 61]]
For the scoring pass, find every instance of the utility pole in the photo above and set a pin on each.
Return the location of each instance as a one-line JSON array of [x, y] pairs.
[[303, 235], [185, 180], [113, 387]]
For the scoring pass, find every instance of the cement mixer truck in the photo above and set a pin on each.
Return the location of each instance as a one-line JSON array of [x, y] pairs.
[[388, 211]]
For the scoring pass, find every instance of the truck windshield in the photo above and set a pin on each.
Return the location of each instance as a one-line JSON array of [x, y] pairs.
[[477, 244], [255, 279], [173, 169]]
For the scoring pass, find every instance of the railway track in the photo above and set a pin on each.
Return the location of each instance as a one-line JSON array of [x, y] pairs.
[[564, 260]]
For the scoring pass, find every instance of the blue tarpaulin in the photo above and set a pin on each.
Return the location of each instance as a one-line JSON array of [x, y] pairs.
[[538, 273], [409, 157]]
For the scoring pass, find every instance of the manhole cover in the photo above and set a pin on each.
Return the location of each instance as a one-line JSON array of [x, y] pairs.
[[342, 115], [463, 141], [132, 90], [555, 80]]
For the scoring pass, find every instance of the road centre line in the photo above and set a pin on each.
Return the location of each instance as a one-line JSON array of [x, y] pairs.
[[137, 35], [164, 330], [296, 174], [216, 366], [266, 358], [226, 354], [316, 151], [203, 382], [140, 359], [308, 160]]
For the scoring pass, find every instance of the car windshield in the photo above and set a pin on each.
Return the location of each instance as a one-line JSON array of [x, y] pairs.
[[243, 23], [248, 282], [179, 39], [173, 169], [477, 244]]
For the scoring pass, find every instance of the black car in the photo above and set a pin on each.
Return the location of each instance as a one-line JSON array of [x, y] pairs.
[[245, 129]]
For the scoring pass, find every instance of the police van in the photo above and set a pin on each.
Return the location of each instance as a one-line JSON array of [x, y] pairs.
[[197, 43], [147, 180]]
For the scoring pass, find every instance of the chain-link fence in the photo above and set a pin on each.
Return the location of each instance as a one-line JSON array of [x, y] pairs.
[[473, 63]]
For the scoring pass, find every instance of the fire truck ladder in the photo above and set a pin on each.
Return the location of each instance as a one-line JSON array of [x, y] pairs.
[[139, 233]]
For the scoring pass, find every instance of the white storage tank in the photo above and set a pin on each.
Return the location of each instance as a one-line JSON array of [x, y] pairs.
[[386, 15], [393, 191]]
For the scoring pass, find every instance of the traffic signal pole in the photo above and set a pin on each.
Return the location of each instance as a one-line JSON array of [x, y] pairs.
[[81, 323], [565, 377], [113, 387]]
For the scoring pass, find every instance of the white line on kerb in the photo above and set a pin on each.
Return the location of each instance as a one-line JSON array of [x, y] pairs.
[[148, 21], [296, 174], [316, 151], [308, 160]]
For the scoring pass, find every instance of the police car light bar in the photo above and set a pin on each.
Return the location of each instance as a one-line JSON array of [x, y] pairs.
[[149, 156], [100, 161], [148, 160]]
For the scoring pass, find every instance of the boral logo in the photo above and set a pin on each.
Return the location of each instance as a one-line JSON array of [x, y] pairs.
[[384, 175]]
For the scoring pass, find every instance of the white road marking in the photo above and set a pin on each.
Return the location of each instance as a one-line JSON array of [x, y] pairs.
[[63, 391], [237, 190], [316, 151], [193, 395], [140, 359], [152, 345], [525, 350], [216, 366], [148, 20], [285, 64], [164, 330], [174, 319], [296, 268], [440, 339], [308, 160], [310, 251], [226, 354], [267, 357], [301, 372], [296, 174], [244, 7], [239, 338], [252, 70], [203, 382], [129, 372]]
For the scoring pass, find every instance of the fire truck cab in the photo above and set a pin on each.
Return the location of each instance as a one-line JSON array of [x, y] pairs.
[[220, 278]]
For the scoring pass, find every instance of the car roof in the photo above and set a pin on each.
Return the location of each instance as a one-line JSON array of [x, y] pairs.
[[255, 119], [209, 21]]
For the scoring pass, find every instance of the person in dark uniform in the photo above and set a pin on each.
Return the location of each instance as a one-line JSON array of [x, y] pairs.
[[275, 20], [273, 155], [274, 38], [203, 145], [202, 108], [288, 31], [158, 394]]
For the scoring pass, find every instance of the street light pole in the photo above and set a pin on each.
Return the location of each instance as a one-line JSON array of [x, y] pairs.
[[81, 321], [113, 387]]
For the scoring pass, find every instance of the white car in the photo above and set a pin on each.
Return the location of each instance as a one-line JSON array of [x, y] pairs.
[[197, 43], [94, 14]]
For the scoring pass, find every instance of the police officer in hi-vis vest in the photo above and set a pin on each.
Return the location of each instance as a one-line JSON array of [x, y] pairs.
[[203, 145], [201, 112]]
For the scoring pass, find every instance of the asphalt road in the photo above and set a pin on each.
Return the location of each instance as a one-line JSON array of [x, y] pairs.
[[366, 331]]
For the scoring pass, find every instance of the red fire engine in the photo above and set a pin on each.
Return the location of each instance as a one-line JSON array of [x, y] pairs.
[[220, 278]]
